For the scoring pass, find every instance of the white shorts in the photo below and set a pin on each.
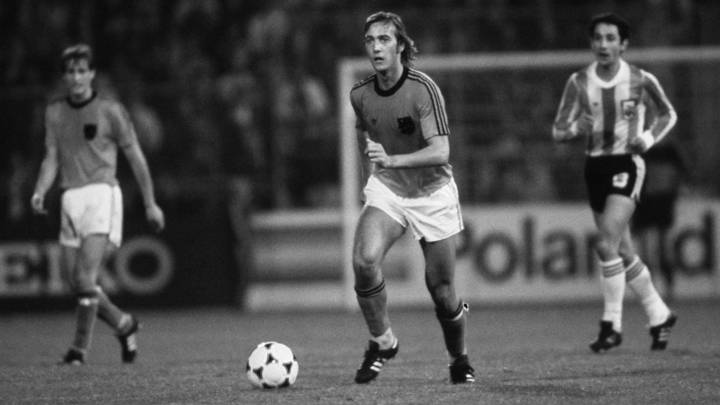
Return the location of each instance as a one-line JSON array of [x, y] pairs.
[[91, 209], [433, 218]]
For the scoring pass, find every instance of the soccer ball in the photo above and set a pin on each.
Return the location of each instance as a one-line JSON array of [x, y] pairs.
[[272, 365]]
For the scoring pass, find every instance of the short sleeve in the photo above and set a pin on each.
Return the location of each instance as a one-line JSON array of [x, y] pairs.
[[50, 135], [122, 125], [431, 111], [359, 122]]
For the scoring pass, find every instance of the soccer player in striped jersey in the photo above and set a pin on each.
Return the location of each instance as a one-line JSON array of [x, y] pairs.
[[608, 103], [83, 132], [403, 134]]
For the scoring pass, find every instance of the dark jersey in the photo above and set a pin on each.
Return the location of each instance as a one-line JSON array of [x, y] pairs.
[[87, 136], [402, 119]]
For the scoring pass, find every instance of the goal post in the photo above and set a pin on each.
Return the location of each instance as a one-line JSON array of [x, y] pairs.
[[562, 63]]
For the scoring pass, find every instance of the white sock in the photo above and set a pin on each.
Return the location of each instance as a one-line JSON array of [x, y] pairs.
[[125, 320], [613, 290], [386, 340], [640, 281]]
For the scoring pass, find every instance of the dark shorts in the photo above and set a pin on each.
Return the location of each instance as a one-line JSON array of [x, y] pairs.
[[614, 174]]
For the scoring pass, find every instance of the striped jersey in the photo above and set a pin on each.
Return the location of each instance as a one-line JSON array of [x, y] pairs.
[[86, 136], [402, 119], [621, 109]]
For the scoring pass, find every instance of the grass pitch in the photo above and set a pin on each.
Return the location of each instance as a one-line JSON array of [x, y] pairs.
[[522, 355]]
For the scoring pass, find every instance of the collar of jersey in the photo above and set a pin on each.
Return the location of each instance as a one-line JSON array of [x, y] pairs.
[[393, 89], [612, 82], [82, 103]]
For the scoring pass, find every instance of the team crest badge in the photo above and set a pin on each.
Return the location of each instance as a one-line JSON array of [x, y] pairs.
[[90, 130], [406, 125], [629, 108]]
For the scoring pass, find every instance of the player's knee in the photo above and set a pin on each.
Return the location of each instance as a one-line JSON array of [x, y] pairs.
[[606, 247], [82, 284], [366, 262], [441, 291], [627, 255], [445, 302], [366, 275], [367, 279]]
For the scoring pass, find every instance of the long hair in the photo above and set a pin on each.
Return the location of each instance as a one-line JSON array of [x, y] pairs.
[[409, 53]]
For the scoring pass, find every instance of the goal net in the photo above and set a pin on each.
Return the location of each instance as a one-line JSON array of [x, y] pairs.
[[501, 107]]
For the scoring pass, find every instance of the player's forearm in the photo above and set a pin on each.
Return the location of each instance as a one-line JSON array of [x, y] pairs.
[[142, 176], [567, 120], [47, 175], [564, 132], [431, 155], [663, 124], [147, 188]]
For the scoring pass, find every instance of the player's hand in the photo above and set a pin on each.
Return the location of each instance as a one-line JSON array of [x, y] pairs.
[[37, 202], [640, 144], [584, 126], [376, 153], [637, 145], [565, 136], [155, 217]]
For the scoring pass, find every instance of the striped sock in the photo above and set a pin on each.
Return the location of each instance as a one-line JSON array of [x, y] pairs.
[[640, 281], [613, 290]]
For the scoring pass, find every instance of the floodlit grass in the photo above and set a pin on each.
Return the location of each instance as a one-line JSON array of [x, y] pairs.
[[533, 355]]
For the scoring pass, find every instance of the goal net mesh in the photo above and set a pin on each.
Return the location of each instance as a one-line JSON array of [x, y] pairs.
[[501, 107]]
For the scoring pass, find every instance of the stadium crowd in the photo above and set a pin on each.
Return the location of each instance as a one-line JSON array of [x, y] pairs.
[[246, 89]]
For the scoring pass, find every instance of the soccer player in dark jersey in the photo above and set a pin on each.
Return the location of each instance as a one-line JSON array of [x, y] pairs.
[[83, 132], [608, 103], [403, 133], [655, 215]]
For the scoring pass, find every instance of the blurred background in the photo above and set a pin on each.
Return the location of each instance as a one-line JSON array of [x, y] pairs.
[[236, 104]]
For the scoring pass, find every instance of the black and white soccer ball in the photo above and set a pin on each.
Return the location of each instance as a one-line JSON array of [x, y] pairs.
[[272, 365]]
